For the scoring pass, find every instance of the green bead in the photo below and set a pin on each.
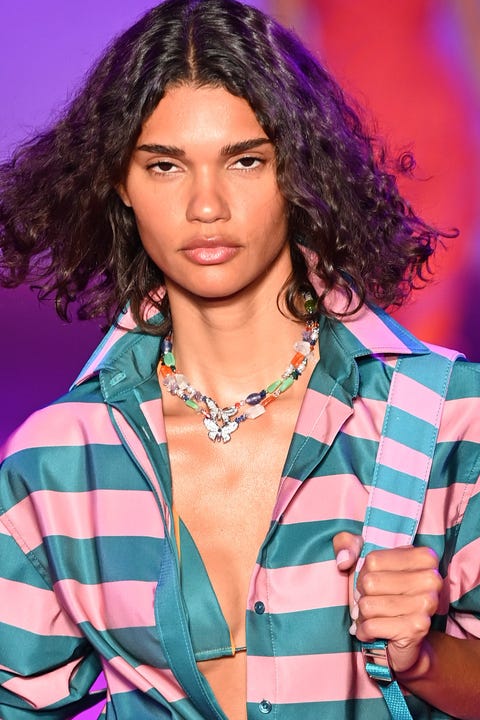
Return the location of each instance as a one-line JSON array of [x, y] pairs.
[[192, 404], [168, 359], [286, 384], [310, 305], [271, 388]]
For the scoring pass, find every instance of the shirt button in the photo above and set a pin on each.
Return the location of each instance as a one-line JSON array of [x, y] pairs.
[[265, 707], [259, 608]]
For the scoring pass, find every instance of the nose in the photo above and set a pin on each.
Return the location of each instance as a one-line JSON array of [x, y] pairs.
[[207, 201]]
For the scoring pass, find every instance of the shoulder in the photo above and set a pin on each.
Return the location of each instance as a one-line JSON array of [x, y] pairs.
[[59, 435]]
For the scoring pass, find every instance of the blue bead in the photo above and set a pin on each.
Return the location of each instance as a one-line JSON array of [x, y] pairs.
[[254, 398]]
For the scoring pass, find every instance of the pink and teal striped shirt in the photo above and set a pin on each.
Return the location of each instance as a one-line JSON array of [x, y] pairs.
[[89, 574]]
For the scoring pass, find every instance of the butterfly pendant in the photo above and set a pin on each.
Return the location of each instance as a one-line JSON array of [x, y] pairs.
[[217, 432]]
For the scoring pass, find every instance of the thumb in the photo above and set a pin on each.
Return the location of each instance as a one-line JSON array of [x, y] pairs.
[[347, 548]]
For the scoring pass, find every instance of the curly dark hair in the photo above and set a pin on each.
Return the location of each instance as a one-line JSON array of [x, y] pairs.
[[64, 229]]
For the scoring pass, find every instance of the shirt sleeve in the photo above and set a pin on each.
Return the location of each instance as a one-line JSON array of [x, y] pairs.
[[46, 665], [464, 569]]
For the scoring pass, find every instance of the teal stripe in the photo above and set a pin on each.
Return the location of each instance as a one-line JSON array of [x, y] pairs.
[[384, 520], [106, 559], [305, 543], [30, 652], [426, 373], [15, 567], [138, 644], [349, 455], [318, 631], [96, 467], [412, 431], [455, 462]]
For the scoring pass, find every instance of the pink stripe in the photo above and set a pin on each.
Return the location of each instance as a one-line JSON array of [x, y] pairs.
[[139, 452], [367, 420], [288, 488], [326, 498], [47, 619], [392, 503], [464, 570], [299, 587], [446, 352], [321, 416], [43, 690], [309, 678], [63, 425], [94, 513], [416, 399], [153, 411], [125, 603], [400, 457], [365, 325], [387, 539], [444, 507], [122, 677], [460, 420], [463, 625]]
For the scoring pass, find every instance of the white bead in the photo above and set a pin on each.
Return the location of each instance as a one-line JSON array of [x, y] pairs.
[[302, 347], [182, 381], [170, 382], [254, 411]]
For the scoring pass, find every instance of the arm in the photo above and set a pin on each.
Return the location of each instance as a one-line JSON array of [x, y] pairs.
[[397, 594]]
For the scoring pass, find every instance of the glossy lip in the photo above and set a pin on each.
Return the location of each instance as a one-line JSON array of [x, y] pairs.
[[210, 250]]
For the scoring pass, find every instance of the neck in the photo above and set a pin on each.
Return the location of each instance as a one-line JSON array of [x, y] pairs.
[[231, 348]]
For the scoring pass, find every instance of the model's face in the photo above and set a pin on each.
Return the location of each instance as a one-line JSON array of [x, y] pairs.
[[202, 185]]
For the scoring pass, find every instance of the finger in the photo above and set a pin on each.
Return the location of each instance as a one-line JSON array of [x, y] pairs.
[[399, 582], [393, 606], [347, 548], [401, 558], [405, 636]]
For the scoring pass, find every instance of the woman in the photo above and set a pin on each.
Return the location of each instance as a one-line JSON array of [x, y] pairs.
[[211, 179]]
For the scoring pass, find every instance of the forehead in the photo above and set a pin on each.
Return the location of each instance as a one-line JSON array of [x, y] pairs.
[[188, 114]]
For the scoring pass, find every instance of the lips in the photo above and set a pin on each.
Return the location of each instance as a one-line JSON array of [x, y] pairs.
[[210, 250]]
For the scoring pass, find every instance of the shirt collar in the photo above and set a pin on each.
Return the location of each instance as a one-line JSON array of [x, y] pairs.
[[128, 355]]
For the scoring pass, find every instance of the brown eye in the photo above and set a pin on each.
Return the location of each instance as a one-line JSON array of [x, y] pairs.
[[247, 163]]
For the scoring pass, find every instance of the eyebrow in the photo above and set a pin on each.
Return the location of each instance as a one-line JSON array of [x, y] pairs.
[[226, 151]]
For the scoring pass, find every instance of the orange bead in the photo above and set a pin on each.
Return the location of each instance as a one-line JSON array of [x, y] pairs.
[[165, 370], [266, 401], [297, 359]]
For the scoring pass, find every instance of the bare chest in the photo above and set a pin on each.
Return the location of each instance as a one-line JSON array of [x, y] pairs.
[[225, 494]]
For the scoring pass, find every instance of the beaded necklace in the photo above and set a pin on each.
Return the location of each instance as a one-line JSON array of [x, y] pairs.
[[222, 422]]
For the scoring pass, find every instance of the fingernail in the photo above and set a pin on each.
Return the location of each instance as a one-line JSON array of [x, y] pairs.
[[353, 628], [344, 556], [356, 595], [354, 613]]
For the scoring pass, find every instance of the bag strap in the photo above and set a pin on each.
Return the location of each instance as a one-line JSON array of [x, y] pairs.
[[402, 469]]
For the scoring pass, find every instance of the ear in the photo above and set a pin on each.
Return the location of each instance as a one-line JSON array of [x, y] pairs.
[[123, 195]]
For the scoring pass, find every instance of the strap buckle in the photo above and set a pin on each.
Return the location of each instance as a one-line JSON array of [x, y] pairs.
[[377, 661]]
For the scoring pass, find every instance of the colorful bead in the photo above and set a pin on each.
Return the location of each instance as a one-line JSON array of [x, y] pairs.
[[254, 411], [253, 398], [222, 422], [288, 382], [271, 388], [168, 359]]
